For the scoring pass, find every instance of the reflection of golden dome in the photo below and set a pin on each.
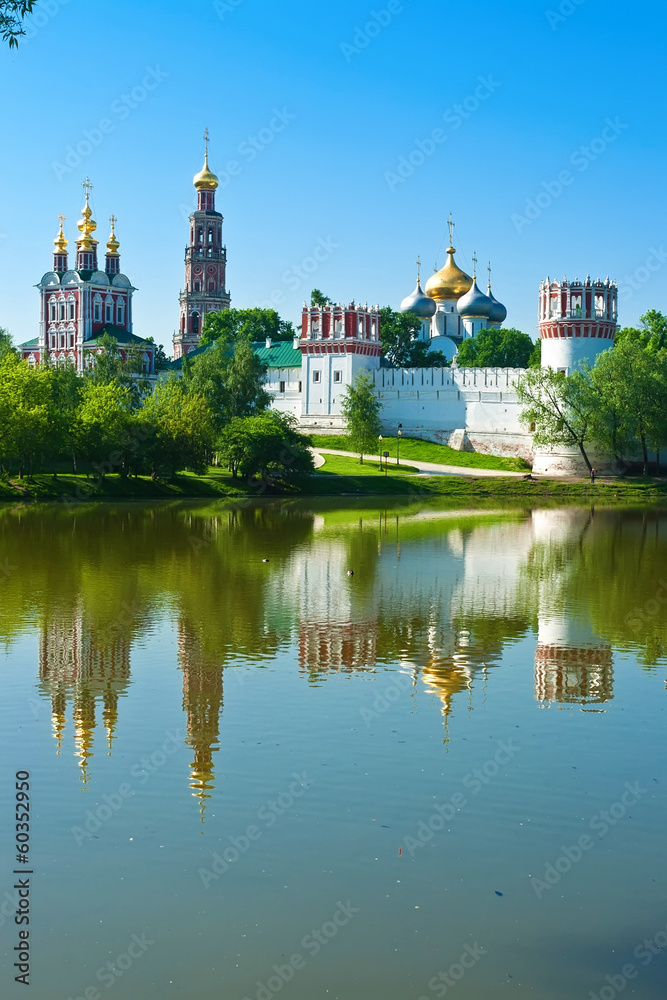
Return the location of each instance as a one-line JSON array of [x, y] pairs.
[[205, 180], [450, 282]]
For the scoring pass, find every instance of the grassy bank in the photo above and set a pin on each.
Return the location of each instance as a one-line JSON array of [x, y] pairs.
[[219, 485], [427, 451]]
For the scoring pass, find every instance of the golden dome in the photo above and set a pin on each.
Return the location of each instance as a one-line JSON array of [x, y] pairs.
[[205, 180], [450, 282], [86, 226], [112, 242], [60, 242]]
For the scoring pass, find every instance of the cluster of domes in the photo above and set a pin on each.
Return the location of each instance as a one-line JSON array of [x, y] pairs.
[[449, 284]]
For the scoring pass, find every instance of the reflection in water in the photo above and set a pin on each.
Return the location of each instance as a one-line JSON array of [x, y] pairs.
[[442, 593]]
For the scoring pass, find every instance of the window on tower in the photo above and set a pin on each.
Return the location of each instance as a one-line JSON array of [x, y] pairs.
[[195, 322], [52, 311], [121, 313], [71, 306], [197, 286], [61, 310], [210, 237], [108, 314]]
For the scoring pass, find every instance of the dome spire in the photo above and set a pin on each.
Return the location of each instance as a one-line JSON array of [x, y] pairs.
[[205, 180], [60, 241], [86, 245], [112, 242], [450, 282]]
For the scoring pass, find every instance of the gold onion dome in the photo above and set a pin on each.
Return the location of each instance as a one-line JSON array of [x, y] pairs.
[[113, 243], [60, 242], [86, 226], [205, 180], [450, 282]]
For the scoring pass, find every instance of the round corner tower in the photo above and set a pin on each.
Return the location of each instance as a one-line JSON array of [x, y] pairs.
[[577, 321]]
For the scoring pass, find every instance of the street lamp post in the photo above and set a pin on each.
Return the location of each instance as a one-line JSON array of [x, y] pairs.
[[398, 441], [380, 449]]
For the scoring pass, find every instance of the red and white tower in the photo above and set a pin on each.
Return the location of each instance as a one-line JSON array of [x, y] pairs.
[[205, 264], [577, 321]]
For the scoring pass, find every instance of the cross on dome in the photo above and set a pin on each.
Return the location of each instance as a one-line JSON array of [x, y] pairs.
[[451, 224]]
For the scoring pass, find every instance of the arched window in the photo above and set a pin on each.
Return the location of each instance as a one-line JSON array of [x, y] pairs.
[[108, 309], [120, 312], [52, 310], [71, 307], [97, 309], [195, 322], [61, 308], [599, 306], [210, 237]]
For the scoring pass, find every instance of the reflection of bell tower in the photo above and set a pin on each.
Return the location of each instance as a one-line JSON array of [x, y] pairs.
[[72, 667], [202, 702]]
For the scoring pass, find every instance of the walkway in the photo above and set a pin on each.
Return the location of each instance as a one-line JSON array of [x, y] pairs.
[[426, 468]]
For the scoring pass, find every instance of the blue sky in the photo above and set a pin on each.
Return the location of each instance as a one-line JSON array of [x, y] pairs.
[[552, 163]]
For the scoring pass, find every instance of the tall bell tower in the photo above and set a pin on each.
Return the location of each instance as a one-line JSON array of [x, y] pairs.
[[205, 263]]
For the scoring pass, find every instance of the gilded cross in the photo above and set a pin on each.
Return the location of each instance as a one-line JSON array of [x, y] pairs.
[[87, 186], [206, 140], [450, 223], [113, 220], [419, 270], [62, 219], [474, 265]]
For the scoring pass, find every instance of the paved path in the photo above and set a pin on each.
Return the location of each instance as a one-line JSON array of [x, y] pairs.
[[426, 468]]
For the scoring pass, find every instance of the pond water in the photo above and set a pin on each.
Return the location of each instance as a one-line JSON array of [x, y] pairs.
[[335, 751]]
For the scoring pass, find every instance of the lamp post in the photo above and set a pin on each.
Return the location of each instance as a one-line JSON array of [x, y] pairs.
[[398, 441], [380, 449]]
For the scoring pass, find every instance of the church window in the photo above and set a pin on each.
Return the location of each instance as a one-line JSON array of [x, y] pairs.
[[52, 341], [97, 309], [599, 305], [338, 376], [211, 287], [195, 322], [197, 286], [210, 237], [52, 310], [71, 306], [200, 236], [109, 314], [300, 387], [575, 305], [317, 376], [62, 339], [61, 310], [282, 387], [71, 340]]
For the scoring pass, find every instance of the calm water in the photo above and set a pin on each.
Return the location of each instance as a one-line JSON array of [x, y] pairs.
[[255, 774]]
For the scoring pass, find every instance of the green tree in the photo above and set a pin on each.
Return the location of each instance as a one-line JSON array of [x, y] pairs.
[[398, 336], [160, 357], [318, 298], [179, 426], [111, 368], [361, 409], [25, 396], [231, 379], [102, 419], [652, 334], [496, 348], [65, 396], [559, 407], [12, 16], [267, 446], [6, 344], [231, 325]]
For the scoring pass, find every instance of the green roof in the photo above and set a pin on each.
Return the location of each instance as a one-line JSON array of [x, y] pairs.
[[28, 345], [117, 332], [281, 354]]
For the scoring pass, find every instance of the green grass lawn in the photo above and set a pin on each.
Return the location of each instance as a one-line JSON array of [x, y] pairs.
[[340, 480], [341, 466], [427, 451]]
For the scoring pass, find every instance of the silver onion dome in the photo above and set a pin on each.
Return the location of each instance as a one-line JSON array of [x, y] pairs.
[[499, 313], [475, 304], [419, 304]]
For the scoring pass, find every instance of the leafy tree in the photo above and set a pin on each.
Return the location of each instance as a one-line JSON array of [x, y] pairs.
[[102, 421], [231, 380], [361, 409], [652, 335], [111, 368], [160, 357], [267, 446], [318, 298], [180, 428], [249, 324], [24, 413], [12, 15], [535, 359], [66, 387], [559, 406], [6, 344], [496, 348], [398, 336]]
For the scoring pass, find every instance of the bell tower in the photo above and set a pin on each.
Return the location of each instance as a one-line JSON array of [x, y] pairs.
[[205, 263]]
